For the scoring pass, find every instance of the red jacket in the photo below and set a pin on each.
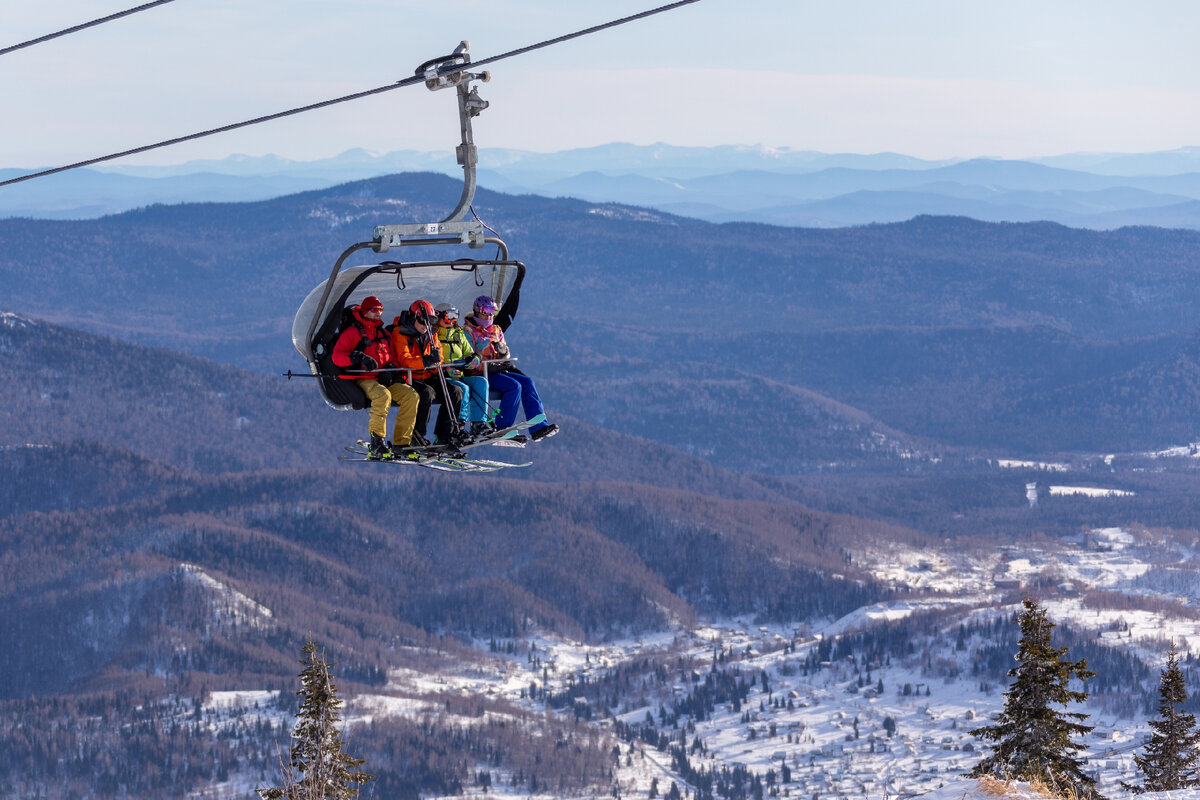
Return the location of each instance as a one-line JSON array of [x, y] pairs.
[[376, 344]]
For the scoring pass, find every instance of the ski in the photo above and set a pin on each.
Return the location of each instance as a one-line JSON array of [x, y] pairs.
[[431, 459], [503, 437], [488, 464], [427, 463], [435, 461], [450, 458], [508, 441]]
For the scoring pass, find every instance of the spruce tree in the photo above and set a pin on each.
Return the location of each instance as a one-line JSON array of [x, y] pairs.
[[1033, 739], [319, 767], [1169, 761]]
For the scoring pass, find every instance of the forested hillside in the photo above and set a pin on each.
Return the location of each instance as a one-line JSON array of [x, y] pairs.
[[171, 526], [196, 488], [935, 333]]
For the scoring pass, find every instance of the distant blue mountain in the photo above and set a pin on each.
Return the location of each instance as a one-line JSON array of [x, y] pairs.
[[618, 158], [1165, 162], [717, 184], [640, 189], [984, 189], [87, 194], [1013, 175], [861, 208]]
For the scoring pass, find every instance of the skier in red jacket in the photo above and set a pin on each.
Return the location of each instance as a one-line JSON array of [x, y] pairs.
[[363, 346]]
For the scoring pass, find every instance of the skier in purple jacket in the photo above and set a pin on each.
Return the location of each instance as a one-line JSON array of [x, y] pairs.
[[515, 387]]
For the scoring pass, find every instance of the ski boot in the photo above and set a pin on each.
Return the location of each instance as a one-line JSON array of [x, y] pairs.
[[378, 449], [544, 433], [482, 430], [462, 438], [409, 452]]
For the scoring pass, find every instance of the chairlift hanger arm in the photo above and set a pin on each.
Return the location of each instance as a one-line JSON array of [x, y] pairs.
[[438, 75]]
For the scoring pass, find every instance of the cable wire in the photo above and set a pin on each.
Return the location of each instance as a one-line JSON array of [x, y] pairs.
[[586, 31], [415, 79], [74, 29]]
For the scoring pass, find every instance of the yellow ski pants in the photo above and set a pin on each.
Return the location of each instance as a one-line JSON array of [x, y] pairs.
[[382, 397]]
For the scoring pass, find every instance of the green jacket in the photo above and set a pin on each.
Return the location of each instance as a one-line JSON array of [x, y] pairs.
[[456, 346]]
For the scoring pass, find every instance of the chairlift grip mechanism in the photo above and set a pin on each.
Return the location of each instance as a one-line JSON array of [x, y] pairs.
[[439, 74]]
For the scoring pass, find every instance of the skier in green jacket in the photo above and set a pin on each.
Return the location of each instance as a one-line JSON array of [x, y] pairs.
[[456, 346]]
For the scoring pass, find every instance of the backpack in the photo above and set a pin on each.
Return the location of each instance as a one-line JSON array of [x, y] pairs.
[[339, 391]]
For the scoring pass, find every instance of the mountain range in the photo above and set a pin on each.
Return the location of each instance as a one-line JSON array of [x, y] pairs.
[[167, 552], [937, 336], [718, 184]]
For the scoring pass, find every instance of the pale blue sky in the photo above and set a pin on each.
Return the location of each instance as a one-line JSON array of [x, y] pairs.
[[931, 78]]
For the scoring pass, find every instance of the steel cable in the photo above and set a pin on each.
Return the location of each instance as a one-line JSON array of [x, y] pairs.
[[415, 79], [76, 28]]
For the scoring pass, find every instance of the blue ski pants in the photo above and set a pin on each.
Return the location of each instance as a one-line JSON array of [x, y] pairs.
[[474, 397], [516, 390]]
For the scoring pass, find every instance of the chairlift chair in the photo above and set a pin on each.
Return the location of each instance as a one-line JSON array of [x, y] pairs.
[[457, 281]]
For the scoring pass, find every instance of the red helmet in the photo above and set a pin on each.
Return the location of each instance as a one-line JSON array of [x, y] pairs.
[[422, 309], [370, 304]]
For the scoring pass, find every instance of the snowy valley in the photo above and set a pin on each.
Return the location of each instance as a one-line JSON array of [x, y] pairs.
[[862, 706]]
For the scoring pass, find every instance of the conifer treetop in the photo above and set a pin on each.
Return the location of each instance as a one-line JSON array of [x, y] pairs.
[[319, 768], [1169, 760], [1034, 739]]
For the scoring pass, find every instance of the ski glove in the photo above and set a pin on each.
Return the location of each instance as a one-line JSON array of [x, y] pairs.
[[363, 361], [431, 360], [500, 349]]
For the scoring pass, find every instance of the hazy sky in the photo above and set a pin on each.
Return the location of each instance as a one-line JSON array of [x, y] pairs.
[[931, 78]]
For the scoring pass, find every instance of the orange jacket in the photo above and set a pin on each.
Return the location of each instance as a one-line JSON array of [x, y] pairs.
[[413, 350]]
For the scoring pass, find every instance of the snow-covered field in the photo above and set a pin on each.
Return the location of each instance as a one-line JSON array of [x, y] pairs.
[[848, 729], [1048, 466], [1090, 491]]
